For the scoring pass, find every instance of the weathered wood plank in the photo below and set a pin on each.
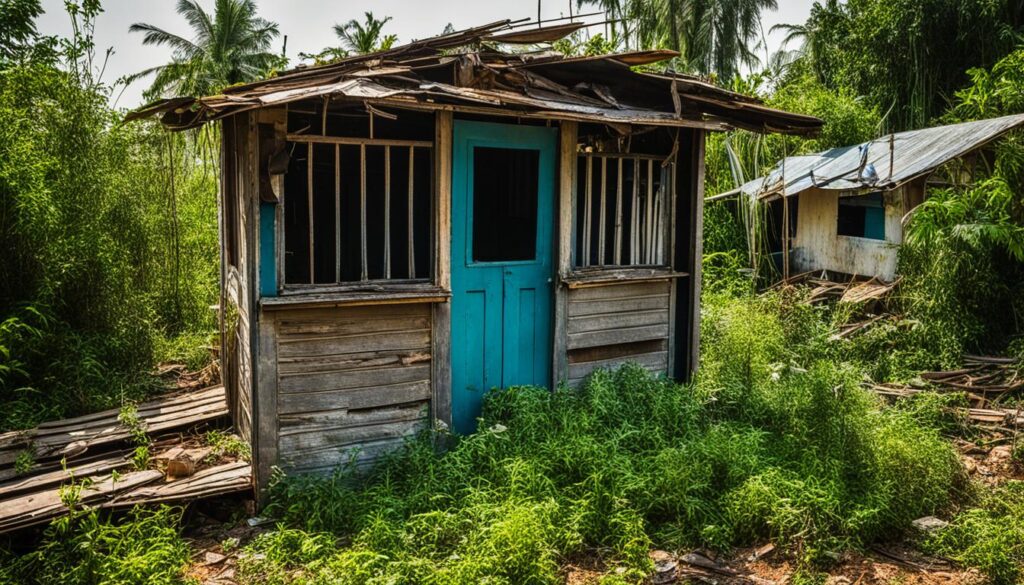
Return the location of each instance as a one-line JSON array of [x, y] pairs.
[[369, 359], [327, 459], [323, 381], [587, 323], [615, 336], [355, 343], [346, 326], [619, 290], [620, 305], [336, 419], [371, 397], [298, 443]]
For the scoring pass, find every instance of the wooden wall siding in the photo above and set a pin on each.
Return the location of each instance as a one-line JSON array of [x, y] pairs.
[[610, 325], [350, 378]]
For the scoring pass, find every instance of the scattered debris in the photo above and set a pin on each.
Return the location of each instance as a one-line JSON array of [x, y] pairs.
[[929, 524]]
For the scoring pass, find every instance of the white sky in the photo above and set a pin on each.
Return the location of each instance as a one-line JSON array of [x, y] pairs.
[[308, 24]]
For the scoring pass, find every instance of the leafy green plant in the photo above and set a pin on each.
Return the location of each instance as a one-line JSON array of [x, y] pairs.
[[989, 536], [226, 444], [85, 548], [129, 418]]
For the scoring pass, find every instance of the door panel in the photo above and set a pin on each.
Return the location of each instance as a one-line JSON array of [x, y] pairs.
[[502, 216]]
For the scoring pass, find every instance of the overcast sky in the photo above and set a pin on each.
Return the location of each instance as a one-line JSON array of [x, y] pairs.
[[308, 24]]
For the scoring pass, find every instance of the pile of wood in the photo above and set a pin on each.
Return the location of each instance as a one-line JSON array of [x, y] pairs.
[[987, 382], [869, 295], [87, 460]]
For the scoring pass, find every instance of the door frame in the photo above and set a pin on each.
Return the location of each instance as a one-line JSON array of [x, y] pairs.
[[466, 134]]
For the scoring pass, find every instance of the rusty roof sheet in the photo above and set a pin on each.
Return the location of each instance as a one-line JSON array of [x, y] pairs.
[[465, 70], [913, 154]]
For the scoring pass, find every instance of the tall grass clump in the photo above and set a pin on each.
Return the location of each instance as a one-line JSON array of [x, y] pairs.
[[768, 444], [86, 548]]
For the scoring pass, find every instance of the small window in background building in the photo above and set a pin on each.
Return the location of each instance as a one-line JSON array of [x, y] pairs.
[[862, 216]]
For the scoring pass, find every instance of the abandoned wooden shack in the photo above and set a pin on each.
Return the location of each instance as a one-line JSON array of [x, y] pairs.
[[844, 210], [405, 230]]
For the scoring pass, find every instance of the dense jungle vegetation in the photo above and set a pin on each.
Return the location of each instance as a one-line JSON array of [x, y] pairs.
[[109, 265]]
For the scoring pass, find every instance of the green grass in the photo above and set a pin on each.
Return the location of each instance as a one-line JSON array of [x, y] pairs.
[[87, 549], [989, 536], [769, 444]]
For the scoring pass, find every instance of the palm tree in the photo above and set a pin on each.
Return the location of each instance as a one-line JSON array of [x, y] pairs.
[[231, 46], [713, 36], [364, 38]]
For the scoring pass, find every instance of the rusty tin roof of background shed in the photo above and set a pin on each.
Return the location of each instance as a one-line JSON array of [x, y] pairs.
[[464, 70], [913, 154]]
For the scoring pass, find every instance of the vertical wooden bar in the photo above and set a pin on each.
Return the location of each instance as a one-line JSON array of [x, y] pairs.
[[362, 211], [635, 214], [785, 237], [566, 214], [648, 209], [409, 221], [387, 212], [337, 213], [587, 219], [440, 345], [309, 194], [601, 254], [697, 242], [618, 217]]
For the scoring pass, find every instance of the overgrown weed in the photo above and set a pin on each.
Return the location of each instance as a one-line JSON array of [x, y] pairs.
[[774, 441]]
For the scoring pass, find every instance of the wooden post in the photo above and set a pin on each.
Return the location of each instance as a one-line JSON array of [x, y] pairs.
[[566, 213], [440, 359], [337, 213], [409, 219], [387, 212]]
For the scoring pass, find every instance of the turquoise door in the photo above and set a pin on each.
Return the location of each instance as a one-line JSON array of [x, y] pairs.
[[502, 214]]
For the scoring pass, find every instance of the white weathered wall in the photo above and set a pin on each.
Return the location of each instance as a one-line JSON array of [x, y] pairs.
[[818, 247]]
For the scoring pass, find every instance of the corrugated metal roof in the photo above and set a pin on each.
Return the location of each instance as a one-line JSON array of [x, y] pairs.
[[913, 154]]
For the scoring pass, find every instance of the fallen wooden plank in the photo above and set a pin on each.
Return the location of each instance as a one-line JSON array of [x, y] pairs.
[[60, 476], [72, 442], [222, 479], [39, 507]]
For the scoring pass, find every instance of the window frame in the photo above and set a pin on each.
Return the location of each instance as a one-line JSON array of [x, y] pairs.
[[665, 209], [427, 284]]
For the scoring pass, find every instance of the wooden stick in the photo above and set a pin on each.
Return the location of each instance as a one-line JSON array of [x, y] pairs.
[[587, 218], [648, 208], [309, 197], [618, 217], [387, 212], [602, 255], [412, 246], [337, 213], [362, 210], [356, 141], [635, 213]]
